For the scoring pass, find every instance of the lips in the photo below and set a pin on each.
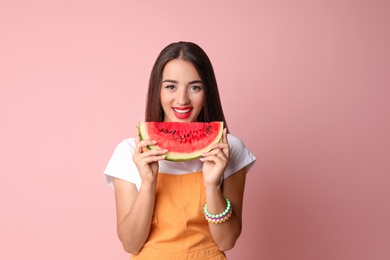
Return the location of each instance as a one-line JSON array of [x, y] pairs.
[[182, 112]]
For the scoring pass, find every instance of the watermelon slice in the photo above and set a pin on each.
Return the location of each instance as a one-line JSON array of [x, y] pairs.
[[184, 141]]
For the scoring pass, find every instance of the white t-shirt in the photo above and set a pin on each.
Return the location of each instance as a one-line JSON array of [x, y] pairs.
[[121, 164]]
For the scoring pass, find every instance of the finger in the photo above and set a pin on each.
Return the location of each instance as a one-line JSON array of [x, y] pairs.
[[224, 136], [219, 146], [155, 158], [149, 156], [217, 152], [220, 150], [137, 136], [226, 149], [213, 152], [147, 142], [142, 145], [153, 153], [213, 158]]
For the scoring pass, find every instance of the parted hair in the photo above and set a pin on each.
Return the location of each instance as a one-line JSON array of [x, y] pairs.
[[191, 52]]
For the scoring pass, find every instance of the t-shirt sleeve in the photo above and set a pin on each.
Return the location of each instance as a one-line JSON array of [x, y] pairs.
[[121, 164], [240, 157]]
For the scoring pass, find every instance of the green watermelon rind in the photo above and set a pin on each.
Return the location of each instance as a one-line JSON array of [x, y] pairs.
[[179, 157]]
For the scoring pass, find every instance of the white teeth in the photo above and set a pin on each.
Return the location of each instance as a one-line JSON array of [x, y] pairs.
[[182, 111]]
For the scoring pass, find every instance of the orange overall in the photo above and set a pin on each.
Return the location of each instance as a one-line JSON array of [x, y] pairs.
[[179, 230]]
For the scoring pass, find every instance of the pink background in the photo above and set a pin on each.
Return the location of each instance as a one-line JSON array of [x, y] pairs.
[[304, 83]]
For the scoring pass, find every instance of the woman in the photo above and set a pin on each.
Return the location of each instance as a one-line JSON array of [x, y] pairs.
[[161, 212]]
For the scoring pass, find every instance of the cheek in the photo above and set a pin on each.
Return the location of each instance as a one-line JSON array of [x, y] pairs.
[[200, 100], [163, 98]]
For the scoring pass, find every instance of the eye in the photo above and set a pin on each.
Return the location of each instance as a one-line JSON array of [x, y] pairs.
[[196, 88], [170, 87]]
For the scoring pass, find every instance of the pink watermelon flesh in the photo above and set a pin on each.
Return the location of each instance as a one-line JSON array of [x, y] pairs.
[[184, 141]]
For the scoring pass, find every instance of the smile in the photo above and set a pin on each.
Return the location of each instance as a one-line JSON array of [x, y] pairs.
[[181, 111]]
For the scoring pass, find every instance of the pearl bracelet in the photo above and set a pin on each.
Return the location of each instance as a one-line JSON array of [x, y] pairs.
[[219, 218]]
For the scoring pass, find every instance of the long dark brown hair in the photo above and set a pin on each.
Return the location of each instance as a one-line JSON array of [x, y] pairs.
[[191, 52]]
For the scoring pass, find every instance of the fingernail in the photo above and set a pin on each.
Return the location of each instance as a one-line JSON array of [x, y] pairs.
[[154, 142], [165, 150]]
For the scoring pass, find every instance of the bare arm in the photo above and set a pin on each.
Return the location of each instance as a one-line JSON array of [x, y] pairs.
[[215, 162], [134, 213], [226, 234], [135, 208]]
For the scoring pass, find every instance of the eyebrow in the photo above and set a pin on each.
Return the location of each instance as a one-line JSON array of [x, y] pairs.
[[195, 81], [175, 81]]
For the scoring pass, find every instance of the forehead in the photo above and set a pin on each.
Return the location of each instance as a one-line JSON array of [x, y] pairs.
[[179, 68]]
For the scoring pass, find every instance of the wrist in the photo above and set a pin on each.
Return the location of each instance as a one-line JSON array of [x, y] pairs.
[[212, 187], [148, 186], [219, 217]]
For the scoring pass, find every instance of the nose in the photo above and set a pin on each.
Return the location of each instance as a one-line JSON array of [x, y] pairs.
[[182, 97]]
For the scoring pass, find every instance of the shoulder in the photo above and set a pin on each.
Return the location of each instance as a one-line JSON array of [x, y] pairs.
[[127, 144], [235, 142], [121, 164], [240, 156], [237, 146], [125, 147]]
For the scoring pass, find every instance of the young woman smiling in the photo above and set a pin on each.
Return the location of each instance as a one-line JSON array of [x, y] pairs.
[[180, 210]]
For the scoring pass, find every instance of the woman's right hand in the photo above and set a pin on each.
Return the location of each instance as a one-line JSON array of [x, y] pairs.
[[147, 160]]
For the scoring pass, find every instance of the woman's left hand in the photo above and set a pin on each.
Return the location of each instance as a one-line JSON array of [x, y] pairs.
[[215, 161]]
